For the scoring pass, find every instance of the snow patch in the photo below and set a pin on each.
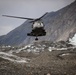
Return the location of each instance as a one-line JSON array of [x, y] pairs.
[[53, 48], [73, 40], [64, 54], [50, 49]]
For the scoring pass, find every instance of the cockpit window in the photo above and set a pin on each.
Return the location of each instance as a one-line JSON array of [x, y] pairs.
[[38, 24]]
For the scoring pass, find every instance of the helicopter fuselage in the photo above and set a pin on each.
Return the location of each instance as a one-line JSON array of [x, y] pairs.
[[37, 29]]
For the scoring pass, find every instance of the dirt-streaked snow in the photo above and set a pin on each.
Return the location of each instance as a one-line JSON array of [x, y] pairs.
[[13, 58]]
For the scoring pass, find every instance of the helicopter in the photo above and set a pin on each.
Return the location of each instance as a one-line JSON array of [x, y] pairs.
[[37, 26]]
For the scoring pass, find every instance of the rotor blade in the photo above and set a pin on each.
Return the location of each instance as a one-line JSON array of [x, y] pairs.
[[39, 18], [31, 21], [43, 15], [18, 17]]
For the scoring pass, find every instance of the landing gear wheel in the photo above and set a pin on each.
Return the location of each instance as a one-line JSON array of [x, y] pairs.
[[36, 39]]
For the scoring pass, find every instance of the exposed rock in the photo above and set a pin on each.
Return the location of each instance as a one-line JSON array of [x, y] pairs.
[[54, 62]]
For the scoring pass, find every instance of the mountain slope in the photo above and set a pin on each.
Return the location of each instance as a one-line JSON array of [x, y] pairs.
[[59, 25]]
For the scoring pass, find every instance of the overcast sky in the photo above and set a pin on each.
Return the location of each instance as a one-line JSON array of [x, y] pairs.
[[26, 8]]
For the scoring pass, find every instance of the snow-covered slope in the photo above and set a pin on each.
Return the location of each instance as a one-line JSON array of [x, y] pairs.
[[13, 58]]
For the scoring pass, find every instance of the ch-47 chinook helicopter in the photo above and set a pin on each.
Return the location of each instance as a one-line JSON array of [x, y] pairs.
[[37, 26]]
